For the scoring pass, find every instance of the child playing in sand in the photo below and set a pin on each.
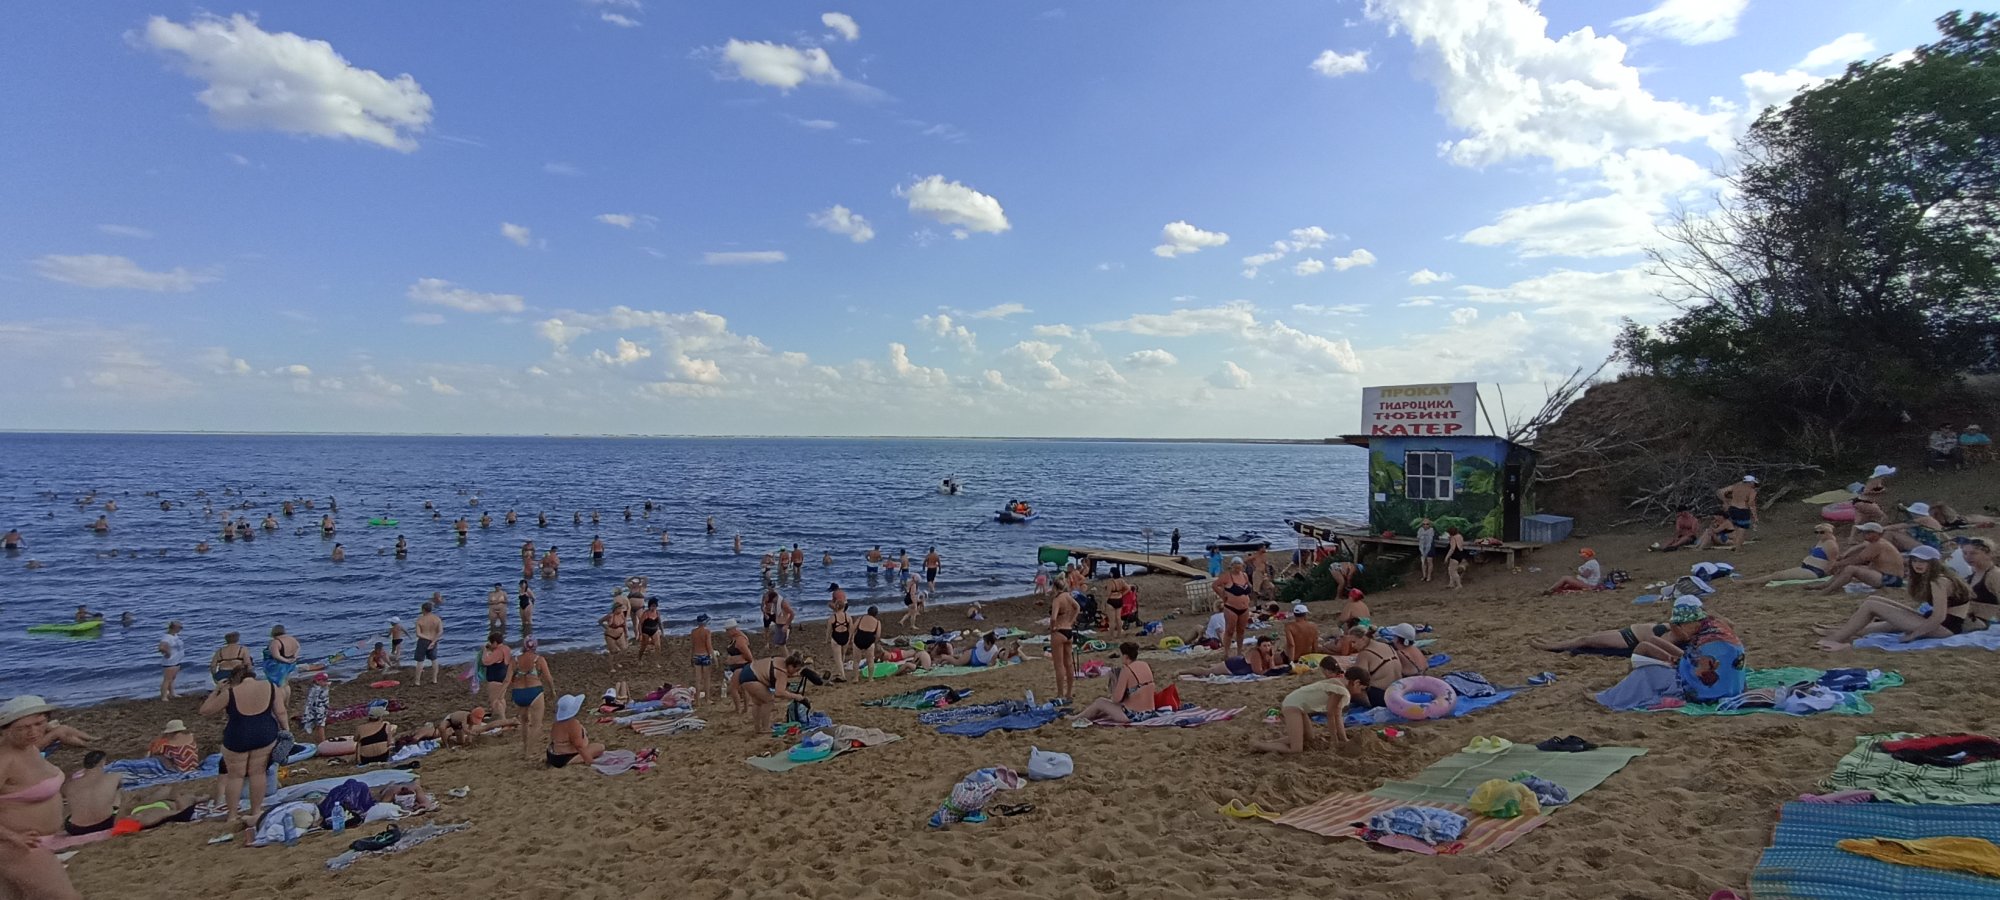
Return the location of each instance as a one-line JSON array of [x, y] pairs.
[[379, 660], [1327, 696]]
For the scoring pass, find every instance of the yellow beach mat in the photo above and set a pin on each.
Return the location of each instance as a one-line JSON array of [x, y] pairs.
[[1235, 809]]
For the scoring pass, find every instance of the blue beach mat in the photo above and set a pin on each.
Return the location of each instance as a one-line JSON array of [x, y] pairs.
[[1362, 718], [986, 718], [1803, 861], [1988, 639]]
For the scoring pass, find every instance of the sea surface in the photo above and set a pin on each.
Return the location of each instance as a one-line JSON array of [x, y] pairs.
[[841, 496]]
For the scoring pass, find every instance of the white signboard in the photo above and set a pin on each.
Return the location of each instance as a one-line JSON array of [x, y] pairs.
[[1420, 410]]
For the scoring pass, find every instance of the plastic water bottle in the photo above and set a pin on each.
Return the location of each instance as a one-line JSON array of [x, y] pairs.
[[337, 823], [1031, 696]]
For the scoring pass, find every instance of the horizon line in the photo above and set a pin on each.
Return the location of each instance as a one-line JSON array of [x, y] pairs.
[[1331, 440]]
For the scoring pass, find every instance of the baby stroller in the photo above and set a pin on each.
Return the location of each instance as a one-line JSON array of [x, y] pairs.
[[1088, 617]]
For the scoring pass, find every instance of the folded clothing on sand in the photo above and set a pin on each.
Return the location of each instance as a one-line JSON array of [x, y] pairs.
[[1949, 750], [1869, 767], [1977, 856]]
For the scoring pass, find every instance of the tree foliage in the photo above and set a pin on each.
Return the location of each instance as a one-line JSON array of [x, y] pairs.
[[1852, 265]]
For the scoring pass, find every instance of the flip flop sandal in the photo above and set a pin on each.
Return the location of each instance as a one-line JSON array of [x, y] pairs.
[[1015, 809]]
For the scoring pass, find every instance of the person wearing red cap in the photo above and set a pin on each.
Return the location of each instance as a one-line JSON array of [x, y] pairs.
[[1587, 578]]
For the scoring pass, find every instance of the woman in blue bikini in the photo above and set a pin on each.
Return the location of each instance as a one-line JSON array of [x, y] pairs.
[[1817, 564], [529, 677]]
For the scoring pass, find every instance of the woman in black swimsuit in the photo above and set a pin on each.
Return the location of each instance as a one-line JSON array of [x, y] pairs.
[[1985, 580], [763, 684], [840, 628], [1232, 588], [649, 626], [866, 630], [374, 740], [1930, 581], [493, 661], [256, 711]]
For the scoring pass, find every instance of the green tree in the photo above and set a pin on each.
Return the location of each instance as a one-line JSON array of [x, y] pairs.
[[1850, 267]]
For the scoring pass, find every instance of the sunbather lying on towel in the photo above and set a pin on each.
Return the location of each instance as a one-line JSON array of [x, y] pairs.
[[1327, 696], [1952, 518], [1640, 638], [1930, 581], [1259, 657]]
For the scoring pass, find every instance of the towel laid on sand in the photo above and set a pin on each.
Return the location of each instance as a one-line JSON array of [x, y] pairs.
[[1225, 679], [415, 837], [1345, 815], [1805, 859], [926, 698], [1988, 639], [1188, 717], [954, 671], [1453, 778], [151, 771], [1868, 767], [985, 718], [313, 790], [846, 739]]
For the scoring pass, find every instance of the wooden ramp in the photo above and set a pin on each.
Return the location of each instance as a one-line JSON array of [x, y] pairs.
[[1158, 562]]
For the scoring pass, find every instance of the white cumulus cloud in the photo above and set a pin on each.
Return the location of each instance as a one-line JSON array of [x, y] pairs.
[[1688, 21], [439, 387], [1308, 266], [624, 353], [117, 272], [1231, 377], [1180, 238], [1426, 276], [840, 220], [842, 24], [619, 220], [1001, 311], [1517, 93], [439, 292], [911, 373], [954, 204], [619, 19], [283, 82], [1334, 65], [1359, 257], [1840, 50], [1639, 188], [942, 326], [1150, 359], [781, 66], [521, 235]]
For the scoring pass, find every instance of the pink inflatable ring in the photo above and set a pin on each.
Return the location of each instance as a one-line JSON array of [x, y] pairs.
[[1442, 698]]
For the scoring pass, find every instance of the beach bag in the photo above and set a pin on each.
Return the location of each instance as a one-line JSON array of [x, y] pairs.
[[1048, 765], [1504, 800], [1712, 672], [1469, 684], [1168, 697]]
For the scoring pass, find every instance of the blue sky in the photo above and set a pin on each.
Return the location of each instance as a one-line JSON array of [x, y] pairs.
[[631, 216]]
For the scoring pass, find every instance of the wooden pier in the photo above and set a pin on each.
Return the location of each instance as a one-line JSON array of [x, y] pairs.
[[1158, 562]]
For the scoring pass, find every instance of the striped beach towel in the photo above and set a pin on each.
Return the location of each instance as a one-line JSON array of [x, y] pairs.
[[1868, 768], [1803, 861], [1182, 718], [1342, 815], [1224, 679]]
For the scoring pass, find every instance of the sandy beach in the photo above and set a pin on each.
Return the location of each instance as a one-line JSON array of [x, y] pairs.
[[1139, 816]]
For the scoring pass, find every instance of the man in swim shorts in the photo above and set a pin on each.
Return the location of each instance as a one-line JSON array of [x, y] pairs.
[[11, 540], [1874, 562], [92, 796], [931, 563], [1739, 501], [430, 630], [702, 643], [874, 559], [1063, 611]]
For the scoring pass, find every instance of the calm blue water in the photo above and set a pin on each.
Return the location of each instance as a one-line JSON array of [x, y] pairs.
[[841, 496]]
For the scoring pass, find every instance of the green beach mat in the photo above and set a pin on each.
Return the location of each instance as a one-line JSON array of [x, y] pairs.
[[951, 671], [1894, 781], [907, 700], [1855, 705], [1453, 778]]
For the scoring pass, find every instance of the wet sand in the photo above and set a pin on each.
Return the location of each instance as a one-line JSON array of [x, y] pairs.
[[1138, 818]]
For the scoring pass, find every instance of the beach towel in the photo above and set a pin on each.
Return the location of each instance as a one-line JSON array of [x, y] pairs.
[[151, 771], [1453, 778], [667, 712], [618, 762], [846, 739], [1345, 816], [1849, 704], [1362, 718], [985, 718], [927, 698], [413, 751], [1869, 767], [316, 789], [1804, 859], [668, 727], [1225, 679], [1191, 651], [954, 671], [414, 837], [1989, 639], [1190, 717]]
